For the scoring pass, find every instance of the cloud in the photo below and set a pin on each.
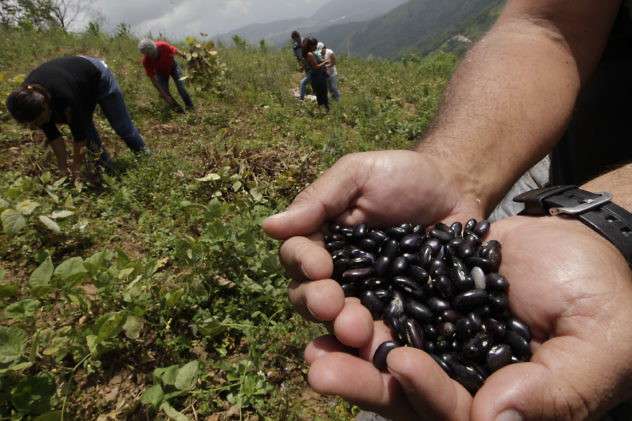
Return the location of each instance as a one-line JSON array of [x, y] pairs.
[[178, 18]]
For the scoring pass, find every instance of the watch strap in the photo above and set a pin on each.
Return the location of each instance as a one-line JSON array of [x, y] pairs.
[[594, 209]]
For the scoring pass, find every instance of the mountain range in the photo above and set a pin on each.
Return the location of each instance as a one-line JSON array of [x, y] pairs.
[[385, 28]]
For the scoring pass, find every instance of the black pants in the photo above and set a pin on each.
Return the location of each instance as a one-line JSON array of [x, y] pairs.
[[319, 85]]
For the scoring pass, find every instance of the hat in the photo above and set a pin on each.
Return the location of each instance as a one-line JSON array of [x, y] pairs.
[[147, 46]]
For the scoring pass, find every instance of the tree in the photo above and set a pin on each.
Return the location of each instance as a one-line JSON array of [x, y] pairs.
[[65, 12], [41, 14]]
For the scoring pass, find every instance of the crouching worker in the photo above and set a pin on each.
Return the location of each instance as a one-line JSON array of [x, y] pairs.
[[160, 65], [66, 91]]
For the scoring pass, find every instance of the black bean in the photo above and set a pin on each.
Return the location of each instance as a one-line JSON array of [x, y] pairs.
[[396, 232], [408, 227], [442, 253], [484, 264], [414, 333], [346, 231], [334, 227], [400, 265], [408, 286], [334, 245], [371, 301], [429, 346], [456, 229], [495, 257], [350, 289], [434, 244], [469, 225], [419, 229], [476, 348], [479, 277], [382, 265], [444, 366], [362, 262], [518, 344], [341, 265], [375, 284], [384, 294], [499, 302], [382, 351], [369, 245], [488, 246], [470, 236], [495, 328], [437, 305], [417, 273], [339, 254], [449, 316], [483, 311], [498, 357], [411, 243], [378, 236], [354, 275], [360, 231], [418, 311], [426, 255], [465, 329], [519, 327], [396, 307], [412, 258], [482, 228], [471, 299], [443, 285], [468, 376], [446, 330], [430, 332], [442, 236], [467, 249], [437, 266], [496, 282], [390, 248]]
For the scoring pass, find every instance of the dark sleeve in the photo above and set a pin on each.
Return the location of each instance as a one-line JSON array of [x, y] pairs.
[[51, 131], [79, 125]]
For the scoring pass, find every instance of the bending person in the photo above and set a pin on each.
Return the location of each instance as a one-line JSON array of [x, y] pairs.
[[66, 91], [160, 65], [332, 81]]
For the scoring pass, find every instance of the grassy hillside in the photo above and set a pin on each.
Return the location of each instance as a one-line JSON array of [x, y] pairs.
[[157, 295]]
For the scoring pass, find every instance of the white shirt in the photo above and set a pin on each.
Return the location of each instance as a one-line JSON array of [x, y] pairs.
[[331, 71]]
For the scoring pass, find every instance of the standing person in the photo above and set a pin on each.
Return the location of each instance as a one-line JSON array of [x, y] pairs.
[[316, 69], [297, 47], [66, 91], [160, 65], [332, 81]]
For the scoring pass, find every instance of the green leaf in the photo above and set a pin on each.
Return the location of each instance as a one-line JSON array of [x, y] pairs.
[[111, 325], [12, 221], [3, 204], [26, 207], [49, 416], [8, 290], [209, 177], [12, 341], [98, 261], [50, 224], [32, 395], [22, 309], [132, 327], [61, 214], [172, 413], [40, 278], [166, 374], [153, 396], [72, 270], [187, 376], [93, 344]]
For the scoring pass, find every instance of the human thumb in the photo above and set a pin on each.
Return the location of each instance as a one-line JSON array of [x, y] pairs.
[[325, 199], [566, 380]]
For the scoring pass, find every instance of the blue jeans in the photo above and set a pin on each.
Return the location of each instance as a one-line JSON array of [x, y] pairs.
[[332, 85], [303, 87], [110, 99], [176, 75]]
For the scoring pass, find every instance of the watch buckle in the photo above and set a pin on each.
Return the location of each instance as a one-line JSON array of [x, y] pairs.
[[588, 205]]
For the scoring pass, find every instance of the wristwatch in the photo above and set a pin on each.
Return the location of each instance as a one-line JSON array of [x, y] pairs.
[[594, 209]]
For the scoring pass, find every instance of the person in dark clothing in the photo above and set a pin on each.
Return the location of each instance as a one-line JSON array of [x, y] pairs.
[[66, 91], [297, 47], [317, 71]]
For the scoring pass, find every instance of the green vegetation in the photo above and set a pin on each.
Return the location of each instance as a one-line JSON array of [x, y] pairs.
[[157, 295]]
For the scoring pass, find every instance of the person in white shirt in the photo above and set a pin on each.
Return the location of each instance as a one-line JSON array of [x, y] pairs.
[[332, 72]]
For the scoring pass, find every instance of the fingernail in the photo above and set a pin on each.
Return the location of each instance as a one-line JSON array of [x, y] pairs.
[[510, 415]]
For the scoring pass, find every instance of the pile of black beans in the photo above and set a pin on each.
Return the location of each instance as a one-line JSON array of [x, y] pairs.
[[438, 289]]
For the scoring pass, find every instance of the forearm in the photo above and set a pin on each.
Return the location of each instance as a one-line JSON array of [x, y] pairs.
[[59, 149], [509, 103], [616, 182]]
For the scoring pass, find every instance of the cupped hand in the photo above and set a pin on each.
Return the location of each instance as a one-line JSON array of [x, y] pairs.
[[574, 290], [381, 188]]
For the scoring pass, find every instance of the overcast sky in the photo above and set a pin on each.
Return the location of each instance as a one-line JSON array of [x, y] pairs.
[[177, 18]]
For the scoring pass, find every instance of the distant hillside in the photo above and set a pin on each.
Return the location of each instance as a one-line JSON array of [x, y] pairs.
[[336, 12], [419, 26]]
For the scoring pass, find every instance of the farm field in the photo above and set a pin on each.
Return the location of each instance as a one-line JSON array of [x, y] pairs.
[[156, 295]]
